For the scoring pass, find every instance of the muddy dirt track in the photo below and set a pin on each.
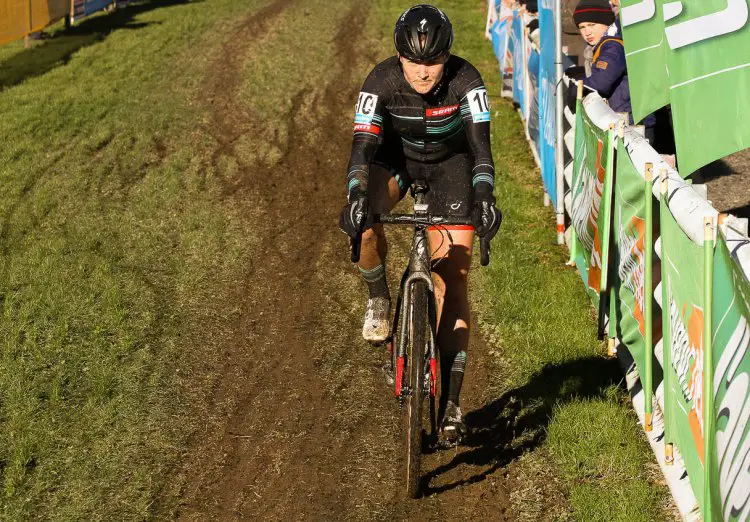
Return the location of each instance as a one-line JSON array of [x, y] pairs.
[[303, 426]]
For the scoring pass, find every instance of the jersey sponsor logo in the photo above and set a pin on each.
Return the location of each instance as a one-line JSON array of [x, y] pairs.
[[366, 127], [365, 108], [441, 111], [479, 104]]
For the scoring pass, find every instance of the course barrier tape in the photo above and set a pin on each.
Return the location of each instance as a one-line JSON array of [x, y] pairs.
[[697, 419]]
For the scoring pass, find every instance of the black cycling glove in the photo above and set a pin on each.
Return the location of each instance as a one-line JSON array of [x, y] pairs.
[[353, 217], [485, 216]]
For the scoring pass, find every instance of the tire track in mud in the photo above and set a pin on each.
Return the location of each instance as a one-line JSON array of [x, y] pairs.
[[303, 426], [277, 413]]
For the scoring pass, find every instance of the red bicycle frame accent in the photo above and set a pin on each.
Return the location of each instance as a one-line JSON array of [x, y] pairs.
[[433, 376], [399, 375]]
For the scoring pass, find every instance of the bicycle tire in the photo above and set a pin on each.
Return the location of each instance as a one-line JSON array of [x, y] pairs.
[[415, 352]]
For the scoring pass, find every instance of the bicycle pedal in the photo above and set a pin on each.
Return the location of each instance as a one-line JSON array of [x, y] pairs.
[[449, 441]]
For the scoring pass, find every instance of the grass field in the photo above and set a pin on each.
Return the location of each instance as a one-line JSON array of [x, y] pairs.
[[121, 257], [117, 251]]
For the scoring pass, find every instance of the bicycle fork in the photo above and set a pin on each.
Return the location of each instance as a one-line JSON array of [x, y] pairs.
[[403, 311]]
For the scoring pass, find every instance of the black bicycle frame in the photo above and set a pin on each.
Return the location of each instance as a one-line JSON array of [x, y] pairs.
[[418, 271]]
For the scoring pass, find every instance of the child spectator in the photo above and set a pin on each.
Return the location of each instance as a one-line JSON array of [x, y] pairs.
[[604, 58]]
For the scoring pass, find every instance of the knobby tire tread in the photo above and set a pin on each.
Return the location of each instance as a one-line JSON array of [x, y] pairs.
[[415, 360]]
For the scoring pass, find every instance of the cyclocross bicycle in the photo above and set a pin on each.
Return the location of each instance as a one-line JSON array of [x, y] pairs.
[[412, 342]]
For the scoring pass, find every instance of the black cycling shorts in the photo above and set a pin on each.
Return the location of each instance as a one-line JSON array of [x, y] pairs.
[[449, 180]]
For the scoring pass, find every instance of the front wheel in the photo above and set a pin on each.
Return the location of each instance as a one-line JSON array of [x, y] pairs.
[[415, 357]]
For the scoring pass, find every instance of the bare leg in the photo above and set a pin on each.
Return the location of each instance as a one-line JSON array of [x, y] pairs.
[[383, 193], [383, 196], [450, 279]]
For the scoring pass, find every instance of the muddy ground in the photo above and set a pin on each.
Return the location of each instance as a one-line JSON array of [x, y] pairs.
[[303, 424]]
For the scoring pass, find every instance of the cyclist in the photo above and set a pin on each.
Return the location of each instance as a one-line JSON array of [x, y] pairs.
[[424, 114]]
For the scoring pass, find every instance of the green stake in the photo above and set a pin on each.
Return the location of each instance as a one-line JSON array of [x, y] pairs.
[[648, 288], [709, 227]]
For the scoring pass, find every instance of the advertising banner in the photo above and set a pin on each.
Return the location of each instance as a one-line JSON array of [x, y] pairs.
[[500, 32], [643, 36], [21, 17], [533, 120], [593, 164], [87, 7], [519, 62], [629, 210], [709, 78], [730, 482], [546, 88], [683, 398]]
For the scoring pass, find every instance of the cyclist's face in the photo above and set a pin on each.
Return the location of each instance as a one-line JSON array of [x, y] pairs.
[[423, 76]]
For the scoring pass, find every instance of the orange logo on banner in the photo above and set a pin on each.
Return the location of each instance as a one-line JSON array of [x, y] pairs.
[[595, 265], [687, 361], [695, 379], [632, 268]]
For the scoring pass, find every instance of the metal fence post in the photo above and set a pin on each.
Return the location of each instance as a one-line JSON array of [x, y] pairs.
[[559, 143]]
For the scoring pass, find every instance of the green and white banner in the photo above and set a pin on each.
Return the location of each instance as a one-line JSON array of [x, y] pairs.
[[682, 263], [593, 165], [643, 36], [708, 57], [630, 224], [705, 294], [730, 484]]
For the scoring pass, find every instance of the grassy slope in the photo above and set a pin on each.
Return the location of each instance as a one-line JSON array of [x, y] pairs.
[[116, 250], [577, 434]]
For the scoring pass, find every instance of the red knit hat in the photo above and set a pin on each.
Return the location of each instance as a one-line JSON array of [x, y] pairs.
[[597, 11]]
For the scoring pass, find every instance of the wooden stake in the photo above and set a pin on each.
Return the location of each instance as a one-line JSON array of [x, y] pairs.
[[611, 350], [649, 172], [580, 90], [649, 426], [669, 454]]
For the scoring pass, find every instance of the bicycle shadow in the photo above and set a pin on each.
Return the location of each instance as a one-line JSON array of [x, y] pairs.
[[59, 46], [516, 422]]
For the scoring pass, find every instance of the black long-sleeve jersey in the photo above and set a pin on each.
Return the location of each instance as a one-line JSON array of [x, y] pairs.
[[453, 118]]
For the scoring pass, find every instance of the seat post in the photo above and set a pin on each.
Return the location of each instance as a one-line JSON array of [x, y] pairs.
[[418, 189]]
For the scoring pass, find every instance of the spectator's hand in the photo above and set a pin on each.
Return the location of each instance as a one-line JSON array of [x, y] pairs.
[[576, 72]]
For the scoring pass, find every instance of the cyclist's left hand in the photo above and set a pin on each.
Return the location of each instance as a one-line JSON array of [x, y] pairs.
[[486, 218]]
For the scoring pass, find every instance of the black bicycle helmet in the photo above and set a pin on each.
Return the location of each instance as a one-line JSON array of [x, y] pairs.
[[423, 33]]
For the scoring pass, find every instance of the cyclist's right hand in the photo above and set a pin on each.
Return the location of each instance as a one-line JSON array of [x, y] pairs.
[[353, 217]]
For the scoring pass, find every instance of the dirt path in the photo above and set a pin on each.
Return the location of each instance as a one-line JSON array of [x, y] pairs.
[[303, 426]]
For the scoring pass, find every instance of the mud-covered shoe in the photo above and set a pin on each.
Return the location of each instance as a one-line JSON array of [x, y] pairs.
[[377, 326], [452, 428]]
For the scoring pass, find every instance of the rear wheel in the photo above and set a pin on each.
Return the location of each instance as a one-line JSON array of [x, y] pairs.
[[415, 353]]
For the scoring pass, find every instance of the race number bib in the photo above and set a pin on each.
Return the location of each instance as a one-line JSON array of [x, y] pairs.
[[365, 108], [479, 104]]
